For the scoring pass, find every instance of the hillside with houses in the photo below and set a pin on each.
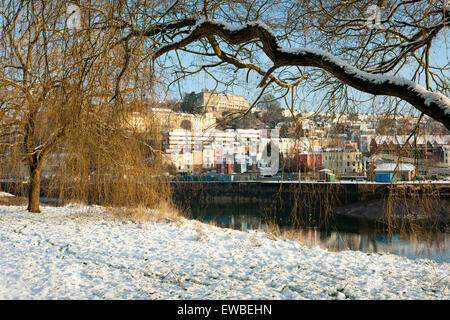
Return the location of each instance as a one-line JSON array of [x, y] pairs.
[[344, 145]]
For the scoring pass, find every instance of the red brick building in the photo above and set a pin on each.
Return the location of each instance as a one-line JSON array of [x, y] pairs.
[[309, 161]]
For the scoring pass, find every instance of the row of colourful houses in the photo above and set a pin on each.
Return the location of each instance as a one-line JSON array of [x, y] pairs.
[[241, 151], [236, 151]]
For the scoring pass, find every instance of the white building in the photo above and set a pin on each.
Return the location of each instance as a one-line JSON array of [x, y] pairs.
[[242, 145], [364, 142], [446, 154]]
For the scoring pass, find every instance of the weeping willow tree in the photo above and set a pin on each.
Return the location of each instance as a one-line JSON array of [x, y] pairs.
[[110, 161], [67, 88]]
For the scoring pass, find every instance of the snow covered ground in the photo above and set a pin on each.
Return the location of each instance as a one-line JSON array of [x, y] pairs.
[[6, 194], [79, 252]]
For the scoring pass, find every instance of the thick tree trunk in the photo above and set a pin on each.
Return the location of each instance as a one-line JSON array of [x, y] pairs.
[[34, 188]]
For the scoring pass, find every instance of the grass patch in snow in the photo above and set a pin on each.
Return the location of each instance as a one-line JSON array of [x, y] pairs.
[[7, 199], [274, 232], [163, 212]]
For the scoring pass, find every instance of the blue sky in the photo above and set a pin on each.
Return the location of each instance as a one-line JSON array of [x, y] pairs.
[[439, 56]]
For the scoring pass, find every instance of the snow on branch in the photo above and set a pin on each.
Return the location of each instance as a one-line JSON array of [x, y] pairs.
[[433, 104]]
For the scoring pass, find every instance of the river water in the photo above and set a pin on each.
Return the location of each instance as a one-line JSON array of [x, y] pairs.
[[341, 235]]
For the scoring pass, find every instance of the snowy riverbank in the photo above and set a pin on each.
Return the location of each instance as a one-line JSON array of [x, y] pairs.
[[81, 252]]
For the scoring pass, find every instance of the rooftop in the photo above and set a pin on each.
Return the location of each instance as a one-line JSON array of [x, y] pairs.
[[393, 167]]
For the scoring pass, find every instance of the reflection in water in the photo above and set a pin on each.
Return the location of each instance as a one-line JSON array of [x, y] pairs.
[[367, 240]]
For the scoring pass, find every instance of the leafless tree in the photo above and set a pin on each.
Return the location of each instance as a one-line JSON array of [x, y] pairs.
[[41, 83], [336, 46], [64, 84], [390, 54]]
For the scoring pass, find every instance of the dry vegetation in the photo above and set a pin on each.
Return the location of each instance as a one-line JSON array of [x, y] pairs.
[[13, 201], [164, 211], [65, 97]]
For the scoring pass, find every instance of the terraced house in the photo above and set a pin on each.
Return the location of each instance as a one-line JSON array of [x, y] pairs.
[[343, 160]]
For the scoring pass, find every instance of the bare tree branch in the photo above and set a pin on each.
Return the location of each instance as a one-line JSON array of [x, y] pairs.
[[433, 104]]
